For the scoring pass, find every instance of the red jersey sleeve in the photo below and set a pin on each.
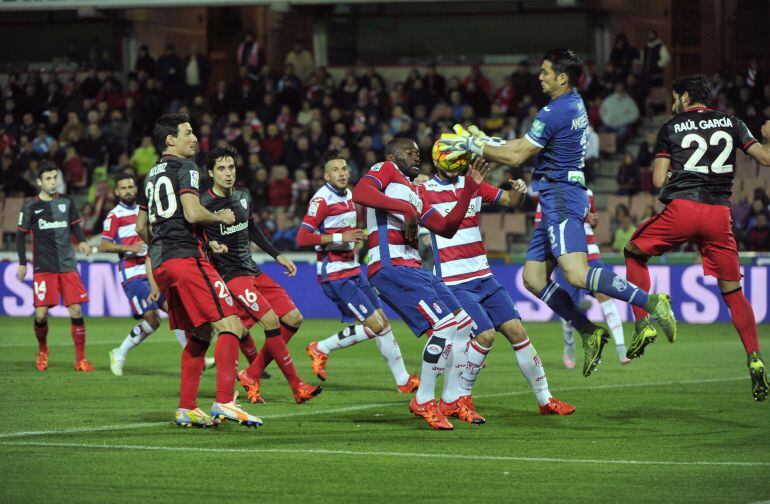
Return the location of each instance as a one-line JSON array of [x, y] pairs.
[[489, 194], [382, 173], [110, 232], [316, 212]]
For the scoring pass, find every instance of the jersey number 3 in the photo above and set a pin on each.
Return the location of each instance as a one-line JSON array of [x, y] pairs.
[[156, 193], [701, 147]]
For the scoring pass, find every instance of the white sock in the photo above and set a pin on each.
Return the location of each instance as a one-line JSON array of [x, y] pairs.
[[612, 316], [568, 332], [181, 337], [477, 354], [345, 338], [458, 358], [136, 336], [532, 369], [434, 358], [388, 347]]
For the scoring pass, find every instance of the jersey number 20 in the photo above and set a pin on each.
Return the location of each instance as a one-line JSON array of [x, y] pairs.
[[716, 138], [156, 193]]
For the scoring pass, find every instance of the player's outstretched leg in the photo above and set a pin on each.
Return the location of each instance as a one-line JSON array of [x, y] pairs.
[[434, 359], [118, 355], [319, 351], [456, 398], [759, 383]]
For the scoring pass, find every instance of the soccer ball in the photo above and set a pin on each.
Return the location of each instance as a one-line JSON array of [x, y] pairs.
[[456, 165]]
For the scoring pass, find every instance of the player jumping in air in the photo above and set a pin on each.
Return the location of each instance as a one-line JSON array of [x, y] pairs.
[[330, 226], [259, 298], [461, 263], [609, 310], [51, 218], [393, 213], [694, 161], [197, 297], [559, 135]]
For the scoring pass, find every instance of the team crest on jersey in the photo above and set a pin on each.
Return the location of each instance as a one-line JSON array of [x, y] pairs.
[[194, 178], [243, 204], [619, 284], [229, 300], [62, 207], [537, 127], [254, 307]]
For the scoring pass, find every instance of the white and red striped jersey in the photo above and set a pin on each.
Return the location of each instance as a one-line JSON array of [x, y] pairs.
[[332, 211], [120, 227], [463, 257], [593, 248], [387, 242]]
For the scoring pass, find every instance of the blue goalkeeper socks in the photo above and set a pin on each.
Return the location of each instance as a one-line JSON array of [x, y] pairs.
[[607, 282], [560, 302]]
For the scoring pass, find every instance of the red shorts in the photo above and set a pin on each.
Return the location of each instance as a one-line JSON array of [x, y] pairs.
[[270, 296], [48, 287], [195, 293], [682, 221]]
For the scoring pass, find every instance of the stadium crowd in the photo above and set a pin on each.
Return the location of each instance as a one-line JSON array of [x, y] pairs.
[[94, 124]]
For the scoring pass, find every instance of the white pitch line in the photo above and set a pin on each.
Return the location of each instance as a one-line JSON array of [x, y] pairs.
[[90, 343], [451, 456], [359, 407]]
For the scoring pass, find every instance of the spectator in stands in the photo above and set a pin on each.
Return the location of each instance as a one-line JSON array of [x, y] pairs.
[[42, 142], [525, 82], [144, 62], [758, 237], [758, 207], [247, 54], [300, 193], [628, 177], [619, 113], [654, 59], [144, 157], [302, 61], [88, 219], [625, 229], [623, 55], [588, 84], [435, 83], [74, 169], [197, 71], [279, 192], [169, 64]]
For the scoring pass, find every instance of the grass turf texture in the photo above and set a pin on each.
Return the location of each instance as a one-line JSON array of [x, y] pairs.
[[677, 425]]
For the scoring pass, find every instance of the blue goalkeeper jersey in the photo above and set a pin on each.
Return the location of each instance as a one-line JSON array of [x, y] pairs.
[[561, 130]]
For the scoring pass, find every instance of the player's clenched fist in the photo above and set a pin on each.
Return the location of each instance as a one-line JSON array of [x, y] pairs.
[[353, 235], [226, 216]]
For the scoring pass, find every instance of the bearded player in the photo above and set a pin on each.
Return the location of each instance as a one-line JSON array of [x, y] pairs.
[[461, 263], [559, 137], [694, 167], [198, 300], [52, 219], [330, 226], [394, 211], [259, 298]]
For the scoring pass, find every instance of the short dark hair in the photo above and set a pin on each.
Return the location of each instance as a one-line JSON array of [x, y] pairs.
[[397, 144], [123, 176], [45, 166], [330, 155], [565, 61], [695, 85], [168, 124], [220, 152]]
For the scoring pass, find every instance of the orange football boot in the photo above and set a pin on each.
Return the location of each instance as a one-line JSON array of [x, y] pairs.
[[430, 413], [468, 402], [317, 360], [305, 392], [252, 388], [459, 409], [410, 387], [556, 407], [42, 360], [84, 365]]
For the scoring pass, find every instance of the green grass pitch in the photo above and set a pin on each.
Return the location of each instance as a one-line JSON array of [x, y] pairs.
[[678, 425]]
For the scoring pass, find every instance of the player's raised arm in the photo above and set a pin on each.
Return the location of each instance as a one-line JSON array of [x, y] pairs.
[[447, 226], [761, 152], [368, 192], [514, 196], [509, 152]]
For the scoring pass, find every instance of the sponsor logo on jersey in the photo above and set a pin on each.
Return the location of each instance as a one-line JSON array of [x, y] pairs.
[[44, 224], [433, 349], [233, 229], [39, 210]]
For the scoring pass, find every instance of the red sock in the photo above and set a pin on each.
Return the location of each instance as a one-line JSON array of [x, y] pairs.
[[638, 274], [79, 338], [276, 347], [41, 333], [287, 332], [226, 355], [743, 319], [193, 361], [248, 348]]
